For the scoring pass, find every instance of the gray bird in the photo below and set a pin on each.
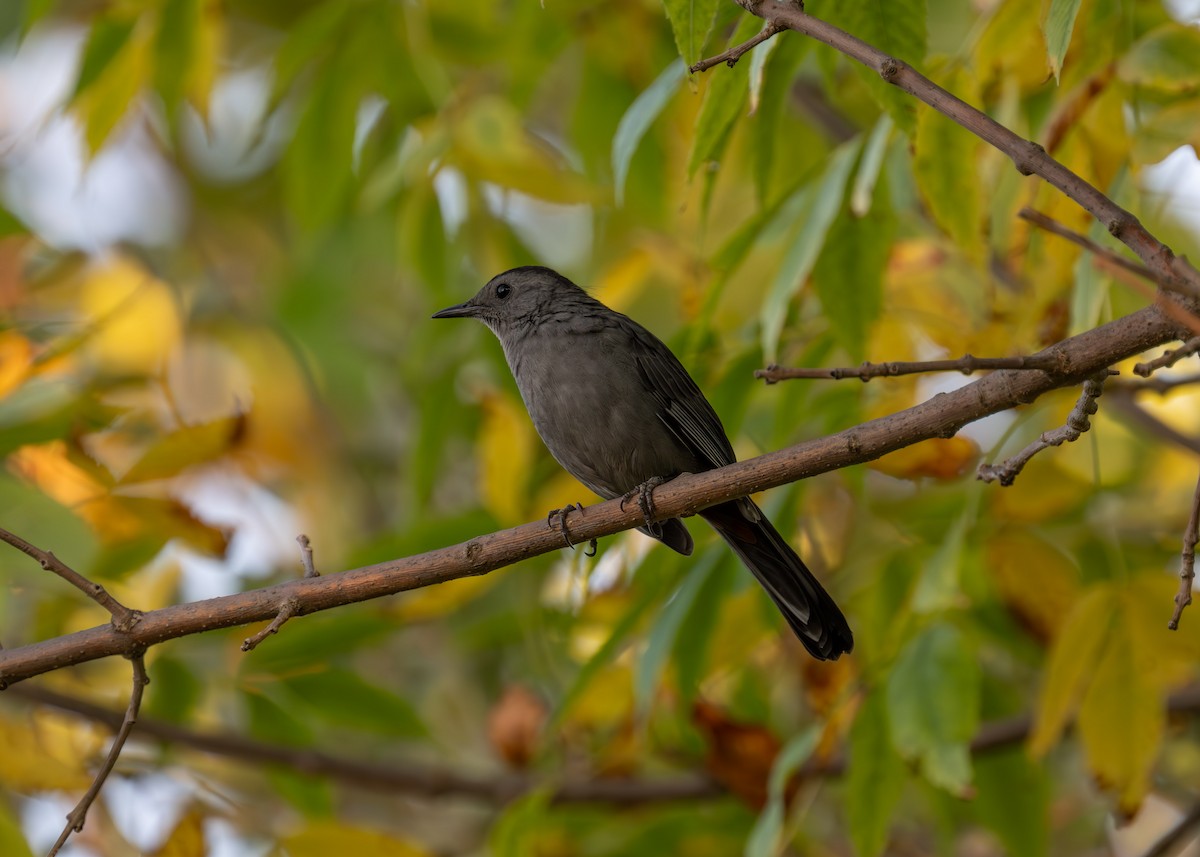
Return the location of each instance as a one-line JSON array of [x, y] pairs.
[[617, 409]]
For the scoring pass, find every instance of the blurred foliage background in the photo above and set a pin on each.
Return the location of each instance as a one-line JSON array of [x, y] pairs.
[[225, 226]]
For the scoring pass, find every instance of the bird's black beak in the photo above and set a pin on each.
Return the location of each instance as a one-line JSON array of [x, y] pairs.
[[463, 310]]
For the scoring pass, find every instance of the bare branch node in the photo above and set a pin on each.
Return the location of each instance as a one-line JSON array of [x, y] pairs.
[[1187, 561], [289, 608], [77, 816], [731, 56], [123, 618], [1168, 358], [1078, 422], [306, 556]]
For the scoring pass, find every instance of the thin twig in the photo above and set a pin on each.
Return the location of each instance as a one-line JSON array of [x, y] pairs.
[[1123, 404], [967, 364], [77, 816], [306, 556], [1168, 358], [1053, 226], [1187, 561], [123, 618], [1077, 423], [289, 608], [1155, 384], [731, 56], [1170, 842]]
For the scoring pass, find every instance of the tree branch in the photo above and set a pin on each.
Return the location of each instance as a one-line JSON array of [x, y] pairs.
[[1054, 227], [1187, 561], [123, 618], [1078, 422], [1175, 837], [1174, 272], [731, 56], [77, 816], [967, 364], [942, 416], [1168, 358]]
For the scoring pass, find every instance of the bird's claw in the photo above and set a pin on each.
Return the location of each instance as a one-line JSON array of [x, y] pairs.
[[645, 499], [561, 514]]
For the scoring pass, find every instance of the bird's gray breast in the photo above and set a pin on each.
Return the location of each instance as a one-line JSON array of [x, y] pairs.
[[591, 406]]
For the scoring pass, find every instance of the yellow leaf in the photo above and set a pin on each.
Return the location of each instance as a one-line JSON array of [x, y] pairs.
[[1041, 494], [1121, 719], [195, 444], [45, 751], [937, 458], [134, 317], [434, 602], [322, 838], [16, 359], [1071, 665], [187, 839], [48, 467], [506, 446], [1015, 557]]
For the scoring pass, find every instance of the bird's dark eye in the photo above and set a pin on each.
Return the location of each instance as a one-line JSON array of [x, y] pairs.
[[503, 290]]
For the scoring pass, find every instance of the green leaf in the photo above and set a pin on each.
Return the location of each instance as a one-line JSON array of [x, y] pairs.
[[105, 41], [727, 91], [344, 698], [1013, 799], [35, 10], [933, 705], [40, 410], [666, 629], [818, 204], [947, 172], [175, 692], [693, 642], [863, 189], [1057, 27], [617, 639], [12, 838], [938, 586], [310, 639], [309, 40], [875, 778], [848, 275], [198, 444], [764, 839], [637, 120], [1165, 59], [318, 166], [758, 65], [175, 49], [896, 27], [768, 108], [1071, 664], [691, 21], [516, 831]]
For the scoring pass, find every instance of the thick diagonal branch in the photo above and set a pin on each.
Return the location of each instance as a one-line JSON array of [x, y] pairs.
[[942, 416]]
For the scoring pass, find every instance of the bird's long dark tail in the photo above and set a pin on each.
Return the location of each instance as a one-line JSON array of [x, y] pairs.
[[809, 610]]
